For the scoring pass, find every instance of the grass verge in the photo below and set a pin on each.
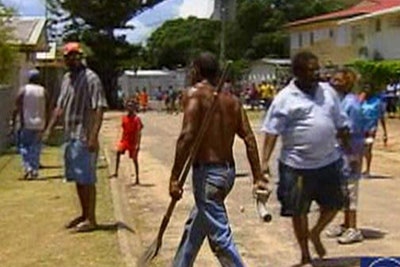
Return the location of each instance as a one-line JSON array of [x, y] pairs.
[[33, 214]]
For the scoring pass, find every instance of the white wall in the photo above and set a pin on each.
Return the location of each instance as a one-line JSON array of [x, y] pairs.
[[387, 41]]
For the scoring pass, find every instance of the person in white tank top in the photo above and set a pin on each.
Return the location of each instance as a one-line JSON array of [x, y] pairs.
[[31, 107]]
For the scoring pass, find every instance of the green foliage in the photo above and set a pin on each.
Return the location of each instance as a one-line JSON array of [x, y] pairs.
[[93, 23], [8, 55], [377, 73], [177, 41]]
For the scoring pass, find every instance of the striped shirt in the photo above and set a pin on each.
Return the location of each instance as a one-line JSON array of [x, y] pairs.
[[81, 93]]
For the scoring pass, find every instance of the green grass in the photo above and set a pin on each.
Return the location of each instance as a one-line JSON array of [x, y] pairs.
[[32, 215]]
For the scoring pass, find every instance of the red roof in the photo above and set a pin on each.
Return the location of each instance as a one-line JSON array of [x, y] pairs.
[[365, 7]]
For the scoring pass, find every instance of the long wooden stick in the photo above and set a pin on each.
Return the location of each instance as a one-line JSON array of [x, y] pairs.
[[152, 251]]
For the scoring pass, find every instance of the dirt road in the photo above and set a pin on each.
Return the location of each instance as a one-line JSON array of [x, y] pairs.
[[261, 244]]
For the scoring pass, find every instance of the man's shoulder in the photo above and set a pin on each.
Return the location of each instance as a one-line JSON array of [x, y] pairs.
[[286, 93], [91, 75]]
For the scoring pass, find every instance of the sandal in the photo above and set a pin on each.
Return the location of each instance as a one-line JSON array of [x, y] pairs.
[[85, 227], [74, 222]]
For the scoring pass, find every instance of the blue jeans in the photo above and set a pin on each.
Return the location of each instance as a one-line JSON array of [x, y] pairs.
[[29, 146], [211, 184]]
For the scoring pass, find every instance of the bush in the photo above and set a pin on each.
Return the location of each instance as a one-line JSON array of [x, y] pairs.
[[378, 73], [8, 55]]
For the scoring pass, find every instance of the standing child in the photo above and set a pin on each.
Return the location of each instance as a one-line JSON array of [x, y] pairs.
[[131, 136]]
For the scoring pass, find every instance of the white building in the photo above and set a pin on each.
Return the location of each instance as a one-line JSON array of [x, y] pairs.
[[368, 30]]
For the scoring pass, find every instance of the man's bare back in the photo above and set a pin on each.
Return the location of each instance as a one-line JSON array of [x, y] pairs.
[[217, 144], [227, 120]]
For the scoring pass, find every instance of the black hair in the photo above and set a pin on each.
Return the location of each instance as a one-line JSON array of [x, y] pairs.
[[207, 65], [300, 60]]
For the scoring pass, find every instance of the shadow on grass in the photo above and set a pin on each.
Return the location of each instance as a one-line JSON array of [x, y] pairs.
[[42, 178], [113, 227], [49, 167]]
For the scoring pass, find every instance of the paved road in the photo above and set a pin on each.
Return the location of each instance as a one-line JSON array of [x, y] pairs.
[[261, 244]]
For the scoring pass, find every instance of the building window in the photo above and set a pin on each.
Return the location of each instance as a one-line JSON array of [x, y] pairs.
[[300, 40], [378, 25], [311, 37], [331, 33]]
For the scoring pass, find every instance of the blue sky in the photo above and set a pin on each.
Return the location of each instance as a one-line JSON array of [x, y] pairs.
[[144, 23]]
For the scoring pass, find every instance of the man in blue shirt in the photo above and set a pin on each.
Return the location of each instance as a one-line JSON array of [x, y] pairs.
[[343, 81], [307, 116]]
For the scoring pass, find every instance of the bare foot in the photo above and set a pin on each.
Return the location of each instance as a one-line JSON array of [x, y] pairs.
[[74, 222], [316, 240]]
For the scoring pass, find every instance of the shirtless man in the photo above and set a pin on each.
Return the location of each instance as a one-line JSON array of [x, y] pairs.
[[213, 167]]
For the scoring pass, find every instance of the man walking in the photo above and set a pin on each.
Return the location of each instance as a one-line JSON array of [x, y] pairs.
[[213, 167], [31, 107], [307, 116], [81, 102]]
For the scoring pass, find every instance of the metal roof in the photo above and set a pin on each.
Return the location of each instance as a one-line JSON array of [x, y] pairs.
[[363, 8], [392, 10], [27, 30]]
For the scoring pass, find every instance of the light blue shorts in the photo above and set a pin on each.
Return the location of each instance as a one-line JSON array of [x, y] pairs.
[[80, 164]]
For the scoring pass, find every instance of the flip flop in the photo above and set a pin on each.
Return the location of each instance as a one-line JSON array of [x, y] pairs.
[[74, 222], [85, 227]]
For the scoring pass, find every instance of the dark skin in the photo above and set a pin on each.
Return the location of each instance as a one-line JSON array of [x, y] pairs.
[[86, 193], [228, 120], [307, 81]]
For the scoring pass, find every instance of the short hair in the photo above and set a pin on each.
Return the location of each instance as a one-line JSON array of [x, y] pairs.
[[34, 76], [349, 74], [300, 60], [207, 65]]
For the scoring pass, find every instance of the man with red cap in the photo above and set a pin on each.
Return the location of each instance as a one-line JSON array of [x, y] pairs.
[[81, 103]]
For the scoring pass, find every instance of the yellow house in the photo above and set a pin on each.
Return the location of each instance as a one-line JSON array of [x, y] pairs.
[[368, 30]]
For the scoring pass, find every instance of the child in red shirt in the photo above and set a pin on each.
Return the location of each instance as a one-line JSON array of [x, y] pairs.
[[131, 136]]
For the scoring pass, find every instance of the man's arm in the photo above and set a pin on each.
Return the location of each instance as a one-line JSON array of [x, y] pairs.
[[191, 123], [97, 114], [246, 133], [17, 110], [57, 112], [268, 148]]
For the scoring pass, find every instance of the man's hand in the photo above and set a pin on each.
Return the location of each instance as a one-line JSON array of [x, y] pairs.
[[93, 144], [175, 191], [44, 136], [261, 184]]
